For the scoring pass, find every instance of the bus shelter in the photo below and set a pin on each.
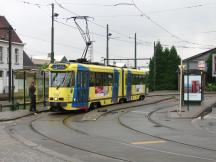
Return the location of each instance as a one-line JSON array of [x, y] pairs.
[[21, 80]]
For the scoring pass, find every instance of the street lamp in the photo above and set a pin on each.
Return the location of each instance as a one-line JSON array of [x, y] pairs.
[[52, 33]]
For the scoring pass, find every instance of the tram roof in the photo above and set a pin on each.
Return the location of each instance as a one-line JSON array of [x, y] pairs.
[[97, 67]]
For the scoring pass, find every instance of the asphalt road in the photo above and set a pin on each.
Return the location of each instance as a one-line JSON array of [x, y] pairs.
[[141, 134]]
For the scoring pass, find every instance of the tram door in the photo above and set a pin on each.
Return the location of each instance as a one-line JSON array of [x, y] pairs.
[[129, 85], [115, 86], [82, 89]]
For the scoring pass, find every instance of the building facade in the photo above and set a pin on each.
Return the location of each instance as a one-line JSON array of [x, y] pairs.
[[197, 61], [16, 53]]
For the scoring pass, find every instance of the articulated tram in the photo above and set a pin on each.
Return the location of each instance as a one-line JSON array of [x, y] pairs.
[[76, 86]]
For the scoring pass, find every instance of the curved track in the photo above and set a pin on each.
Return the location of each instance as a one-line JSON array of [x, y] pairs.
[[160, 125], [66, 121]]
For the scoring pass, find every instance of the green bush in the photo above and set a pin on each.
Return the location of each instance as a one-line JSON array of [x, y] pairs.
[[211, 87]]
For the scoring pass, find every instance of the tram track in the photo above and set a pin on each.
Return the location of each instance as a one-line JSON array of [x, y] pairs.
[[72, 146], [157, 137], [67, 117], [64, 122]]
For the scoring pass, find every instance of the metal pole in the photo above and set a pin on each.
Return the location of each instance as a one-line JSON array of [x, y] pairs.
[[135, 52], [9, 62], [12, 93], [188, 85], [44, 86], [52, 35], [107, 44], [154, 68], [24, 89], [180, 97]]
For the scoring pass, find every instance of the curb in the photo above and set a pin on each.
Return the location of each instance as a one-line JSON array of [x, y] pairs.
[[22, 116], [205, 111]]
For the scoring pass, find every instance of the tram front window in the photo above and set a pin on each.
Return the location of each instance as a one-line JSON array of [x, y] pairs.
[[62, 79]]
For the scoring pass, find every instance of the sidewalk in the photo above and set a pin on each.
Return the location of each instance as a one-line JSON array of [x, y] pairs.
[[193, 111], [13, 115]]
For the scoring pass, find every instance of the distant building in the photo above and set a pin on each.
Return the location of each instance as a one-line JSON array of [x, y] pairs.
[[197, 60], [41, 60], [17, 53]]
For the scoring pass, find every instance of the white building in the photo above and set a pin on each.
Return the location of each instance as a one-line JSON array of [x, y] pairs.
[[17, 54]]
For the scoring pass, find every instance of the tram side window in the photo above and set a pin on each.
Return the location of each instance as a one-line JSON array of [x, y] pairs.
[[110, 79], [143, 79], [79, 79], [92, 79], [138, 79], [84, 78], [134, 79], [107, 79], [98, 79], [101, 79], [72, 78]]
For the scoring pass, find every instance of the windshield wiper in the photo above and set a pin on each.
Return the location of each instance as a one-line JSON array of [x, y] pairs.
[[61, 83]]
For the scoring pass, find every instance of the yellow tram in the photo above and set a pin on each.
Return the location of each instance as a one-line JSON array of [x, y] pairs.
[[76, 86]]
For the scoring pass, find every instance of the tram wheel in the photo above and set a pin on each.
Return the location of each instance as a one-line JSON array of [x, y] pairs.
[[122, 100], [93, 106]]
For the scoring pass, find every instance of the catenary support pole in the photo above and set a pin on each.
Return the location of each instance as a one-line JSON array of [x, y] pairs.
[[154, 68], [107, 44], [135, 52], [9, 63], [24, 89], [52, 35]]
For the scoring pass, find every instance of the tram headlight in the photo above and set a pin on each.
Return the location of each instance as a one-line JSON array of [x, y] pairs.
[[55, 98]]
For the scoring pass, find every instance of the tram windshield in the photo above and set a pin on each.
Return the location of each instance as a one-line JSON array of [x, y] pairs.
[[62, 79]]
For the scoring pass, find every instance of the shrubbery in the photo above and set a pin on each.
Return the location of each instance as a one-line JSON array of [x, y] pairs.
[[211, 87]]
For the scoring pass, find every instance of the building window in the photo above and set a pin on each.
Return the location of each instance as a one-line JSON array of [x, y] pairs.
[[7, 55], [16, 56], [1, 54], [1, 74]]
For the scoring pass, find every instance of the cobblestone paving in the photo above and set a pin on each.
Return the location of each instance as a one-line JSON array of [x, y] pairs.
[[12, 150]]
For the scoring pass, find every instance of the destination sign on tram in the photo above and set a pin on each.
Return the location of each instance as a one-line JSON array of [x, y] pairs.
[[58, 67]]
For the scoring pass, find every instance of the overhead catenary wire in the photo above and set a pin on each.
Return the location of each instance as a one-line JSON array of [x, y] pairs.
[[122, 34], [163, 28], [139, 41], [146, 43], [130, 37]]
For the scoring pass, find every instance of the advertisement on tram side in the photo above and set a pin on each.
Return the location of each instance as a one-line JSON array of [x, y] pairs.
[[101, 91]]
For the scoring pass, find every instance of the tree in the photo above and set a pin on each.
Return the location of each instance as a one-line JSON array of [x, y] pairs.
[[163, 69]]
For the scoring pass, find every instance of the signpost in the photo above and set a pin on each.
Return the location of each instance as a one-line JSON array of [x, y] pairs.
[[181, 68]]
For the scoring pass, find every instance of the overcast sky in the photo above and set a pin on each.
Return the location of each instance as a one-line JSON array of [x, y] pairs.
[[187, 24]]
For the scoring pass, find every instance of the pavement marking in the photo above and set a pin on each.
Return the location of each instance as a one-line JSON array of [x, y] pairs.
[[140, 112], [148, 142]]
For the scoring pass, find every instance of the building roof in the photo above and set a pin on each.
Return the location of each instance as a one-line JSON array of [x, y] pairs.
[[200, 55], [27, 62], [4, 33]]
